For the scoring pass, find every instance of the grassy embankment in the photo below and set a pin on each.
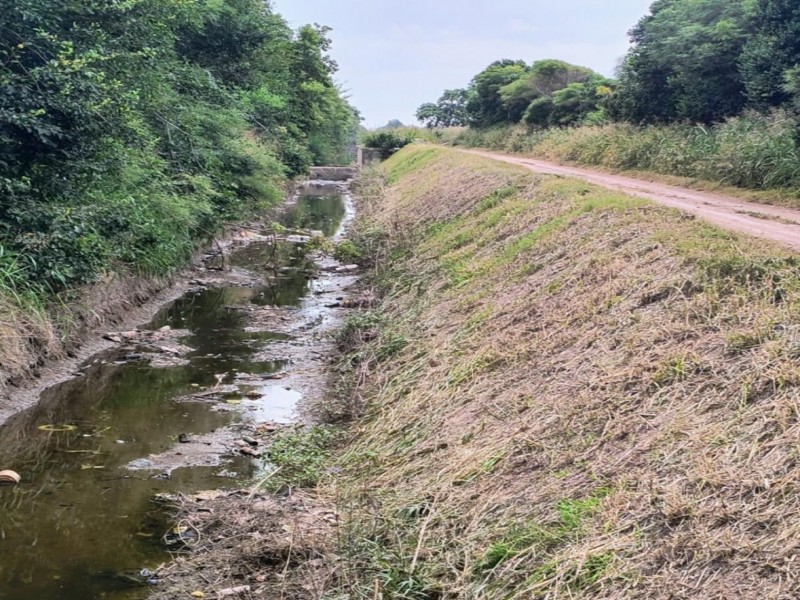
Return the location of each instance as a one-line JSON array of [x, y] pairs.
[[752, 156], [567, 392]]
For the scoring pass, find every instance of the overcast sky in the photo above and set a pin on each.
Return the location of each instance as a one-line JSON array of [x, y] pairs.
[[394, 55]]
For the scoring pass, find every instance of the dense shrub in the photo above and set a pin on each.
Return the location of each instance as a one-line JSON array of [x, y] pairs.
[[388, 142], [129, 130]]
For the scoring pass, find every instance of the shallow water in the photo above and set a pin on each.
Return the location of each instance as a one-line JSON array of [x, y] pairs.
[[80, 523]]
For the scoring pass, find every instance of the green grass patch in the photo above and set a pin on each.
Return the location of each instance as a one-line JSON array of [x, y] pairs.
[[300, 456], [544, 539], [410, 160]]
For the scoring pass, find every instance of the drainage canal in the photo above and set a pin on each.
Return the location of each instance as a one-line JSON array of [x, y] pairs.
[[82, 525]]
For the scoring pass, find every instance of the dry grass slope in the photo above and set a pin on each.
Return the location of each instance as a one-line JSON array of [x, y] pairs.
[[35, 332], [589, 396]]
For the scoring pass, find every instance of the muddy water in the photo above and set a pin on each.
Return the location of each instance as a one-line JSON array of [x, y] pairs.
[[81, 526]]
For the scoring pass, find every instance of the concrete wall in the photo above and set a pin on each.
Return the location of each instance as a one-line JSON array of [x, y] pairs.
[[368, 156]]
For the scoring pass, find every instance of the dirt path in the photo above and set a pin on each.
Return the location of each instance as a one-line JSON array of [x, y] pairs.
[[774, 223]]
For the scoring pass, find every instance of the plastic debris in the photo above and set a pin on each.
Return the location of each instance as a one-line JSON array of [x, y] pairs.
[[57, 428], [9, 477]]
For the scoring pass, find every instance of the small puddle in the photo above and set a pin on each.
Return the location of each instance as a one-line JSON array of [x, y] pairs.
[[81, 526]]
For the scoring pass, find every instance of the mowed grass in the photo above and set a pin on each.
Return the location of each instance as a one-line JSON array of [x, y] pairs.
[[596, 397]]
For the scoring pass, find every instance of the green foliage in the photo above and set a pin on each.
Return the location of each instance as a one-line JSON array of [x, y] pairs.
[[130, 130], [695, 61], [548, 93], [301, 455], [770, 58], [535, 98], [449, 111], [388, 142], [347, 252], [485, 106], [684, 63], [545, 539]]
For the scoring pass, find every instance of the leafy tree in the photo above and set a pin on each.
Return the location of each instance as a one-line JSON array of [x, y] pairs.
[[582, 102], [485, 106], [772, 54], [449, 111], [684, 63], [129, 129], [544, 78]]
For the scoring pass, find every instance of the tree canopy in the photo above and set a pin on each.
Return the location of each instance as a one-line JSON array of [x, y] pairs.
[[130, 128], [449, 111], [548, 92]]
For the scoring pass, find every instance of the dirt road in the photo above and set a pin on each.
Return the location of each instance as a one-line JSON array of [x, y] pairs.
[[781, 225]]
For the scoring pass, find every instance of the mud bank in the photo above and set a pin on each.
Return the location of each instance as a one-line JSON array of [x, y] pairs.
[[121, 302], [182, 404]]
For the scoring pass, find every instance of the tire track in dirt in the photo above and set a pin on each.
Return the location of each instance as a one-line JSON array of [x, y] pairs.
[[773, 223]]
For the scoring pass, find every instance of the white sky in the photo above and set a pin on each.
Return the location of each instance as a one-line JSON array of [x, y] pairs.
[[394, 55]]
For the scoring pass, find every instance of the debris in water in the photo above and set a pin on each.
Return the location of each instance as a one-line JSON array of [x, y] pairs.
[[9, 477], [208, 495], [57, 428], [248, 451], [181, 536], [140, 463]]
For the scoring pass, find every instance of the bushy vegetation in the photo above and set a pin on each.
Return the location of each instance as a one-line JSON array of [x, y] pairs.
[[690, 60], [389, 141], [704, 60], [130, 129], [751, 151], [546, 93]]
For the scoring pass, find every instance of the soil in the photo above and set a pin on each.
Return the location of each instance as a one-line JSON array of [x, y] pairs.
[[245, 544], [760, 220]]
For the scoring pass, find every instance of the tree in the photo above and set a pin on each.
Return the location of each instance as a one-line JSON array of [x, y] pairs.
[[393, 124], [449, 111], [684, 63], [485, 106], [128, 129], [543, 80], [772, 53]]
